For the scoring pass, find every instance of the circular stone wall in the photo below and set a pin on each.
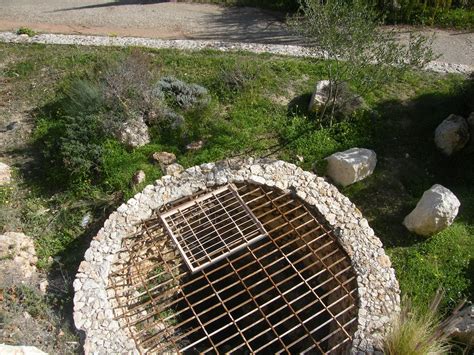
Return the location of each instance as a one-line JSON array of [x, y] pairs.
[[377, 287]]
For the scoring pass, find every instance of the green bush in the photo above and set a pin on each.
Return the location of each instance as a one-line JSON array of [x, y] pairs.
[[81, 145], [181, 94], [26, 31]]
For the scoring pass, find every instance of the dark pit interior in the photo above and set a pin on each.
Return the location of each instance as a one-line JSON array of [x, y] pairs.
[[292, 291]]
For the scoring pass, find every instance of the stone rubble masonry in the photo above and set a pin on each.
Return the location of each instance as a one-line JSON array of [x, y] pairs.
[[193, 45], [378, 289]]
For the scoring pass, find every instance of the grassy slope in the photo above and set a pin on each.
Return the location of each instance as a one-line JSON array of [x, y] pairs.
[[256, 117]]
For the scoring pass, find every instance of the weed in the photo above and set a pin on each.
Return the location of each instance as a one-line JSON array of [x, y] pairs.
[[418, 332], [26, 31]]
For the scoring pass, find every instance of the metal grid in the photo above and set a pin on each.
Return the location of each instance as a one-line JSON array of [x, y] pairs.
[[292, 291], [212, 227]]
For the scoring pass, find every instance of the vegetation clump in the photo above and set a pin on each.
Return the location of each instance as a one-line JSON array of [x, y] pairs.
[[420, 332], [184, 95], [26, 31], [78, 130]]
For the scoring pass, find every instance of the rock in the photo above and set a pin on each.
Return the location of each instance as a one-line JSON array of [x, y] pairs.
[[452, 134], [174, 169], [434, 212], [320, 95], [20, 350], [5, 174], [350, 166], [17, 258], [43, 286], [138, 177], [194, 146], [85, 220], [346, 102], [163, 158], [462, 327], [133, 132], [12, 125]]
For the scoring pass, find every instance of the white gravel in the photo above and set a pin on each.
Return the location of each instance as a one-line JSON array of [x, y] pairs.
[[278, 49]]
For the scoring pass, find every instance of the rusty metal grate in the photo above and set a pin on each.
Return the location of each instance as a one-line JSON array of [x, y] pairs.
[[292, 291], [211, 227]]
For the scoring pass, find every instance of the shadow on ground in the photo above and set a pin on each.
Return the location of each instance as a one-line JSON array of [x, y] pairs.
[[247, 25], [113, 3], [409, 163], [231, 24]]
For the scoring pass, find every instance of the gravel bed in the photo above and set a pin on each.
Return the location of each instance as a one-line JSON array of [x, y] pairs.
[[278, 49]]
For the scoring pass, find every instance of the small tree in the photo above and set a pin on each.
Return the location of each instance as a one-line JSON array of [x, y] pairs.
[[347, 34]]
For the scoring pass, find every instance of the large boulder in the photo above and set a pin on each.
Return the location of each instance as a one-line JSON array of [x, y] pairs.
[[452, 134], [133, 132], [5, 174], [350, 166], [17, 258], [434, 212], [320, 95], [325, 93]]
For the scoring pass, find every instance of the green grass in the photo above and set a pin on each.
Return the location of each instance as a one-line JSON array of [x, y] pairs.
[[266, 109]]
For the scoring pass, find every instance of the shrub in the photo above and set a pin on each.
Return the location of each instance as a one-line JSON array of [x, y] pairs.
[[348, 35], [236, 78], [413, 333], [81, 144], [416, 332], [82, 97], [181, 94], [26, 31], [91, 110]]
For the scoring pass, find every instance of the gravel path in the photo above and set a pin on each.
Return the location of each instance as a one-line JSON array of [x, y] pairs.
[[164, 20]]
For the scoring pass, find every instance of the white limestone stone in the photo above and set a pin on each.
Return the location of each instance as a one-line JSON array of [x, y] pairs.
[[5, 174], [320, 95], [452, 134], [350, 166], [434, 212]]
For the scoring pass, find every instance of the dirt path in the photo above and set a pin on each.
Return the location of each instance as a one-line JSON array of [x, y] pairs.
[[180, 21]]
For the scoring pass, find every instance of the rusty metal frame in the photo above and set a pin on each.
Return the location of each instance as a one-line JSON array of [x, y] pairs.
[[228, 229], [292, 291]]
